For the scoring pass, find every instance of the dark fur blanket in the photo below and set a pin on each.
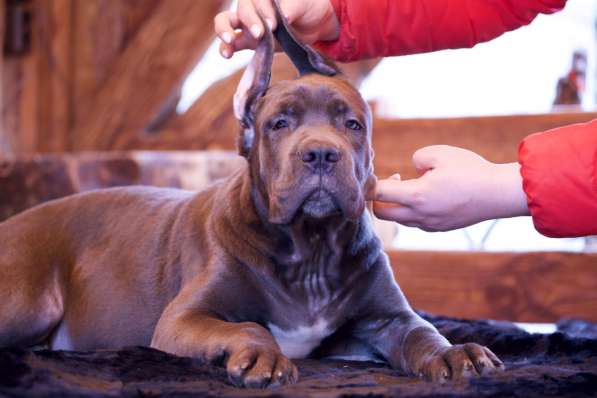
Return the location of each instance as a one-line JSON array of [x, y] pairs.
[[560, 364]]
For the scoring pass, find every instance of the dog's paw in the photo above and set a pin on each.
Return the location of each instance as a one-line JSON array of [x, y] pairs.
[[460, 362], [258, 367]]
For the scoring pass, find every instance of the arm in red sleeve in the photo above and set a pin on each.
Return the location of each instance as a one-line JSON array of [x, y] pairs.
[[559, 171], [374, 28]]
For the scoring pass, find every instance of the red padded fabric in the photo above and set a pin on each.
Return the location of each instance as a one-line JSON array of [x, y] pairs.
[[559, 170], [375, 28]]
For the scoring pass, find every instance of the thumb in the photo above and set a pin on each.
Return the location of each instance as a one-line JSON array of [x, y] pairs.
[[426, 158], [396, 191]]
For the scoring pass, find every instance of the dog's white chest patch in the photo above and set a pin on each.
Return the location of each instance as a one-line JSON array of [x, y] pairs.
[[299, 342]]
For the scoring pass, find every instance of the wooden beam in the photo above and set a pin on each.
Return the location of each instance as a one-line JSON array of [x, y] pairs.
[[523, 287], [103, 30], [148, 72], [494, 137]]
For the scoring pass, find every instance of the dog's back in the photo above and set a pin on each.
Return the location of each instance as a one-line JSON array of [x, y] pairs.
[[52, 253]]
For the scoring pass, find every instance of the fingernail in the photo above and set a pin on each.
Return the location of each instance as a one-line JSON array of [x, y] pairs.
[[227, 37], [226, 53], [256, 31], [269, 23]]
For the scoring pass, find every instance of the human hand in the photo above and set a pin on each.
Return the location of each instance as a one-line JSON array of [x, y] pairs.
[[457, 188], [311, 20]]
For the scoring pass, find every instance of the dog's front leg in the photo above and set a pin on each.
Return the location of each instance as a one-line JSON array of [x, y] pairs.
[[410, 343], [250, 353], [413, 345]]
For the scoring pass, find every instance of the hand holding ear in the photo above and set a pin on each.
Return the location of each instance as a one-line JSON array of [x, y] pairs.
[[457, 188], [311, 20]]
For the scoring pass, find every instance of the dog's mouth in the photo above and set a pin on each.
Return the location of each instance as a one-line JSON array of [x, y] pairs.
[[320, 204]]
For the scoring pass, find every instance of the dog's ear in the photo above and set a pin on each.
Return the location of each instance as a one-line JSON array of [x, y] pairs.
[[304, 57], [252, 86]]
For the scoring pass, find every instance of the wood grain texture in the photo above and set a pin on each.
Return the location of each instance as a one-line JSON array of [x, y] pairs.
[[494, 137], [4, 143], [103, 30], [148, 72], [523, 287]]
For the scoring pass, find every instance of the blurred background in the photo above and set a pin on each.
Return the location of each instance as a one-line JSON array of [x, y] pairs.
[[101, 93]]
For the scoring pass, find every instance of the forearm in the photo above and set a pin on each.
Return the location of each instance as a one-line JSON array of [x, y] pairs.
[[373, 28]]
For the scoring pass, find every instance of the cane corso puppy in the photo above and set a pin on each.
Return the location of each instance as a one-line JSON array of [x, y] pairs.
[[277, 261]]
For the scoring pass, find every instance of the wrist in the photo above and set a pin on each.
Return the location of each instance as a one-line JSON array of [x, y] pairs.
[[506, 195]]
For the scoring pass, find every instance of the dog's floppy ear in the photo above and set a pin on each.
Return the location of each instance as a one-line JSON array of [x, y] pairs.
[[304, 58], [252, 86]]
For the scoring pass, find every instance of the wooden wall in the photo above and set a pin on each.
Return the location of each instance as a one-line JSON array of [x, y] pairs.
[[97, 68], [524, 287]]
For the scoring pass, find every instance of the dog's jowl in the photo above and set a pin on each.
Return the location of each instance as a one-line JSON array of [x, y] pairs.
[[278, 261]]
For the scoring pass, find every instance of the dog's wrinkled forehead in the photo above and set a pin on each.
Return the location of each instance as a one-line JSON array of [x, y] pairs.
[[333, 96]]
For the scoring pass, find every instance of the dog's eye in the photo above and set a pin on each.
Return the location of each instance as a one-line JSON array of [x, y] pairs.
[[280, 124], [353, 125]]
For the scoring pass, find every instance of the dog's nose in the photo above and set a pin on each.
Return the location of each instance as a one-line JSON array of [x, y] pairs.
[[321, 158]]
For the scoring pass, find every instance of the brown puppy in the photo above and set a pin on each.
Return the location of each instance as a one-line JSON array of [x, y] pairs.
[[278, 261]]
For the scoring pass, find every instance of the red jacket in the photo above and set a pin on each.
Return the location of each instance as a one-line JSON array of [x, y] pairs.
[[559, 167]]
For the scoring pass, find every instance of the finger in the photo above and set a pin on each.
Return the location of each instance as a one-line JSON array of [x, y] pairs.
[[394, 191], [391, 212], [395, 176], [241, 41], [266, 10], [247, 14], [224, 24], [226, 50]]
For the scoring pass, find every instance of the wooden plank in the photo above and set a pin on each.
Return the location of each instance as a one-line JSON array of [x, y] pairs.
[[494, 137], [523, 287], [5, 149], [148, 72]]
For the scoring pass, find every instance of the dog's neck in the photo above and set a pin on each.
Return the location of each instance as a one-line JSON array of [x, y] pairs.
[[303, 247]]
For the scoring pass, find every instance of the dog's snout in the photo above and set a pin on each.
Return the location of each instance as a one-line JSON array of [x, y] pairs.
[[321, 158]]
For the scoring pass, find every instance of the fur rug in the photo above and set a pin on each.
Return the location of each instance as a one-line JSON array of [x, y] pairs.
[[557, 365]]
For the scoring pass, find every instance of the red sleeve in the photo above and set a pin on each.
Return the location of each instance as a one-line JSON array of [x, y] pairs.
[[559, 171], [374, 28]]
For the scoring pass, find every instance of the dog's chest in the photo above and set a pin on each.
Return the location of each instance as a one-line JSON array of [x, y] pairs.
[[298, 342], [309, 317]]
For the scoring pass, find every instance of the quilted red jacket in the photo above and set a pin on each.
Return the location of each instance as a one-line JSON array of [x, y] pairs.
[[559, 167]]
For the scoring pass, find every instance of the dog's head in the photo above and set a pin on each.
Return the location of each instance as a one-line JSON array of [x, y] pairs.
[[308, 141]]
